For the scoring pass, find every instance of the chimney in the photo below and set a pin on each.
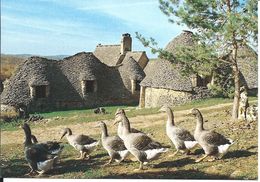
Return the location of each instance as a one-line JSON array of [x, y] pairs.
[[126, 43]]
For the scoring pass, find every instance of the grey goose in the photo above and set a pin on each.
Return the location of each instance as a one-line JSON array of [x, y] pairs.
[[214, 144], [139, 144]]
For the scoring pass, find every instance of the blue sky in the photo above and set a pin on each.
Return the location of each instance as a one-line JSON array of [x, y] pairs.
[[55, 27]]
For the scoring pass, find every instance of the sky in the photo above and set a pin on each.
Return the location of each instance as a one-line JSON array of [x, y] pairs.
[[66, 27]]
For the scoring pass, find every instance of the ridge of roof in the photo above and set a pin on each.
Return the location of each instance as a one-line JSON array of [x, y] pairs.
[[113, 45]]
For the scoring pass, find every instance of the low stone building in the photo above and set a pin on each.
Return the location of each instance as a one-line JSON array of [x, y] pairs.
[[165, 85], [247, 64], [113, 55], [79, 81], [186, 39]]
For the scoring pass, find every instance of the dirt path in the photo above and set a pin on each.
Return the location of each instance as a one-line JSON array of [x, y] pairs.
[[45, 133]]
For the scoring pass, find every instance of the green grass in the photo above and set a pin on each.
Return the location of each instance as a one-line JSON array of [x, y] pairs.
[[239, 163], [87, 115]]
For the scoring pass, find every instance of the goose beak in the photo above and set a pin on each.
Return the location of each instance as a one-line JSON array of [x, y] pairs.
[[62, 135], [96, 126], [190, 113], [115, 122], [160, 110]]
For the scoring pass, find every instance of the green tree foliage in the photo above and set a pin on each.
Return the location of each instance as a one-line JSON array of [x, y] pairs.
[[220, 27]]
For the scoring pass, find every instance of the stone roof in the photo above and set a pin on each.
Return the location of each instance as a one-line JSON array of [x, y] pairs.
[[34, 71], [64, 78], [108, 54], [247, 63], [74, 69], [136, 55], [184, 39], [162, 74], [131, 69]]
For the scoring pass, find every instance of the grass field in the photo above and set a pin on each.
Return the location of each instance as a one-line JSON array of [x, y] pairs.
[[239, 163], [83, 115]]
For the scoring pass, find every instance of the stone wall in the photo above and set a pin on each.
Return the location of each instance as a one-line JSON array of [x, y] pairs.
[[158, 97]]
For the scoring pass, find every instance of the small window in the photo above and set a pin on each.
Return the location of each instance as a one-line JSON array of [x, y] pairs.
[[40, 91], [137, 85], [90, 86]]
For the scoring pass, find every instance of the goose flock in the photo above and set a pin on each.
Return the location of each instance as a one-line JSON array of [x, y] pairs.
[[43, 157]]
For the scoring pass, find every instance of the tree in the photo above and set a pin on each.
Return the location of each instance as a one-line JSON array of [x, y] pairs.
[[220, 27]]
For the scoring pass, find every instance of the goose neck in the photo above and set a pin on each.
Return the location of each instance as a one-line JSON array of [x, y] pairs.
[[170, 121], [104, 132], [69, 132], [126, 124], [199, 125], [28, 140]]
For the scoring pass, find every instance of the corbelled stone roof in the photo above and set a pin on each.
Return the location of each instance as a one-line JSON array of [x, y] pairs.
[[184, 39], [136, 55], [108, 54], [64, 79], [162, 74], [247, 64], [34, 71], [131, 69]]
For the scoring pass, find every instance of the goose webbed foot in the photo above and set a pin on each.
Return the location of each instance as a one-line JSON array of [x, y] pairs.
[[119, 161], [78, 158], [109, 162], [212, 159], [86, 156], [40, 172], [81, 156], [200, 159], [172, 155], [140, 167], [32, 172], [188, 152]]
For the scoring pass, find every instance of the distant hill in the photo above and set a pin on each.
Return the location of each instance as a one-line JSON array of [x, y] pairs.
[[9, 62], [25, 56]]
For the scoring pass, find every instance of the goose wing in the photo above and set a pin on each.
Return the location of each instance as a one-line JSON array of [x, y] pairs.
[[83, 140], [143, 142], [53, 145], [215, 138], [184, 135], [116, 143], [36, 153], [133, 130]]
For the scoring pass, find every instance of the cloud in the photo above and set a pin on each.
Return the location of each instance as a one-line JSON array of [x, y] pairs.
[[143, 16], [83, 24], [121, 5]]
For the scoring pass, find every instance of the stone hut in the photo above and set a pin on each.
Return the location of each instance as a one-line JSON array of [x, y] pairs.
[[186, 39], [132, 75], [79, 81], [113, 55], [247, 64], [164, 85]]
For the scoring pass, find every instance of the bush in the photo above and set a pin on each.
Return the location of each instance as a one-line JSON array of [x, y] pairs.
[[218, 91], [215, 90]]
